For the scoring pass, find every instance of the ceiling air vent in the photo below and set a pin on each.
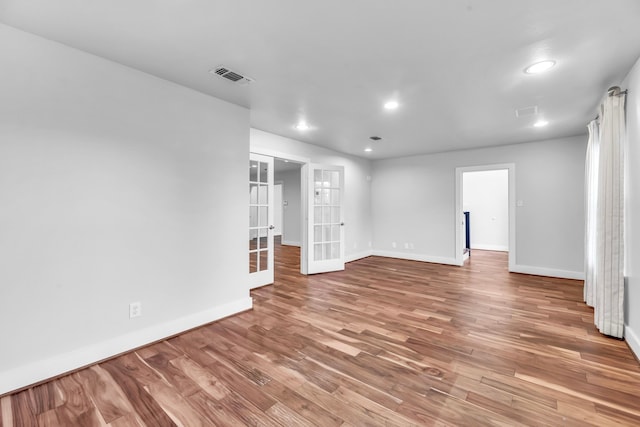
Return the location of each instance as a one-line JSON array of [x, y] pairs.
[[527, 111], [227, 73]]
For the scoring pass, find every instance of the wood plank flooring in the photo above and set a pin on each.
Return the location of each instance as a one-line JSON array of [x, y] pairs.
[[384, 343]]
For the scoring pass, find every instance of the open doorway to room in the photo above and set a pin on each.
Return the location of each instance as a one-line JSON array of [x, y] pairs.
[[485, 199], [312, 214], [289, 202], [485, 210]]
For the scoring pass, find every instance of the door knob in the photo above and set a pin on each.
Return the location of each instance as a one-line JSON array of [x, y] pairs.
[[342, 224], [271, 227]]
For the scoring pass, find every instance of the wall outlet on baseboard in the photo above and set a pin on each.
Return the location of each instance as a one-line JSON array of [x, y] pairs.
[[135, 310]]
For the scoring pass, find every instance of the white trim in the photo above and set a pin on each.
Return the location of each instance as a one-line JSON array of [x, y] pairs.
[[549, 272], [416, 257], [632, 339], [357, 256], [280, 155], [458, 216], [499, 248], [50, 367], [290, 243]]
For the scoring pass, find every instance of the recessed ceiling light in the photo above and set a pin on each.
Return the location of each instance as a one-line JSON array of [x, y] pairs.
[[391, 105], [539, 67], [368, 150], [302, 126], [541, 123]]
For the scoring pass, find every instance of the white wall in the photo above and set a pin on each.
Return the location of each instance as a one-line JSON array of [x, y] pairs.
[[413, 202], [357, 195], [110, 190], [291, 226], [632, 211], [486, 197]]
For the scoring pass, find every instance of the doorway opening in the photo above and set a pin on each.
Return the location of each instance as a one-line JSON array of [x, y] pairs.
[[485, 210], [288, 209]]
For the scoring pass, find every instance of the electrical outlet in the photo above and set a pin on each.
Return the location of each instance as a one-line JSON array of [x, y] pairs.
[[406, 245], [135, 310]]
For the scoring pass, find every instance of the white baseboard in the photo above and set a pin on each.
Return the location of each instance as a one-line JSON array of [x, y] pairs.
[[357, 256], [550, 272], [416, 257], [498, 248], [290, 243], [50, 367], [632, 339]]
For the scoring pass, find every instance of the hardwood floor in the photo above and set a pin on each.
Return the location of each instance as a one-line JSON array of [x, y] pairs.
[[385, 342]]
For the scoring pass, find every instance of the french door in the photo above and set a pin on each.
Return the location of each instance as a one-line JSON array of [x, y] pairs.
[[324, 234], [260, 220]]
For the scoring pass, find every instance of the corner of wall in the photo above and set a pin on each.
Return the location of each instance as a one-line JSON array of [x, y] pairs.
[[632, 340]]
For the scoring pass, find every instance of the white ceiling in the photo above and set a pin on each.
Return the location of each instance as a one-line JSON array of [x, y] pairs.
[[455, 66]]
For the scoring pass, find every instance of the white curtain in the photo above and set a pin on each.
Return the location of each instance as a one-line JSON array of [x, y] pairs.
[[591, 206], [604, 250]]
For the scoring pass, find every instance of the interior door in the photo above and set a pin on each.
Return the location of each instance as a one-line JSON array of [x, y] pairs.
[[324, 243], [260, 220]]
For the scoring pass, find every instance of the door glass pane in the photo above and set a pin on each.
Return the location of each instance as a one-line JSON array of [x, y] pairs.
[[253, 194], [326, 215], [317, 215], [335, 196], [317, 178], [335, 215], [263, 194], [263, 265], [317, 252], [334, 179], [253, 262], [317, 233], [263, 216], [253, 171], [253, 216], [326, 178], [264, 171], [326, 233], [326, 196], [326, 250]]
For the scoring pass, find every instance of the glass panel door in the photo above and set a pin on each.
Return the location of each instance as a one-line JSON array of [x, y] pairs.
[[260, 220], [325, 248]]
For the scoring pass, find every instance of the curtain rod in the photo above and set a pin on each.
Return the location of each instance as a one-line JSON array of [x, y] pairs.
[[614, 91]]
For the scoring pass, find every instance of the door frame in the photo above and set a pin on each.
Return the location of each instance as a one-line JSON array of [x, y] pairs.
[[303, 191], [459, 215]]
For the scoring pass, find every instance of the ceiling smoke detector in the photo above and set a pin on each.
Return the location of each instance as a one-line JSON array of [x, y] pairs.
[[229, 74]]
